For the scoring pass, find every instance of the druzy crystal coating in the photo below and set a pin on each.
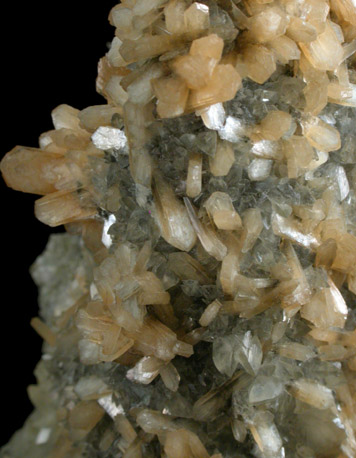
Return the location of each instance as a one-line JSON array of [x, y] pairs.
[[202, 301]]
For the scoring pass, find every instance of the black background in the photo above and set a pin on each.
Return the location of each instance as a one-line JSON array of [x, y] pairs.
[[49, 55]]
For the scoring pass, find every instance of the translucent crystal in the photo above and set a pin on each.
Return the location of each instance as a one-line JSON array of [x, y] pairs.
[[223, 160], [202, 301], [265, 388], [219, 206], [196, 17], [324, 51], [222, 86], [312, 393], [266, 435], [259, 169], [260, 62], [194, 175], [173, 218], [182, 443], [268, 24], [332, 304]]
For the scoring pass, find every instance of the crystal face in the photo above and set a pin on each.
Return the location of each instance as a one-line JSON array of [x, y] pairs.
[[202, 300]]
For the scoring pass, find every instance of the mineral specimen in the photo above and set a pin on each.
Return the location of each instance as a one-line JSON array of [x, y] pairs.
[[202, 302]]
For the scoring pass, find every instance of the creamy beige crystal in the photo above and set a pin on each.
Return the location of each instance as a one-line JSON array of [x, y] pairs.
[[210, 215]]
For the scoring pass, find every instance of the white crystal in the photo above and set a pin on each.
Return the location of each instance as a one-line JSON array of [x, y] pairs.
[[110, 407], [342, 182], [43, 435], [213, 116], [109, 138], [265, 388], [259, 169], [106, 238], [233, 129]]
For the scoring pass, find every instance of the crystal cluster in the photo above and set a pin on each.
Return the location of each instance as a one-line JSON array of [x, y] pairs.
[[202, 302]]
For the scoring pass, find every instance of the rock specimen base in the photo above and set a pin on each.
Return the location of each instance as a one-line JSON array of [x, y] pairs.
[[202, 302]]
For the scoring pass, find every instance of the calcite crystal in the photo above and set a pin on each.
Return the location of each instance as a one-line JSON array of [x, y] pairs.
[[202, 300]]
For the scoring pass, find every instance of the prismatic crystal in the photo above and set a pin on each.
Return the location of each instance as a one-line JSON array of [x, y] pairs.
[[202, 300]]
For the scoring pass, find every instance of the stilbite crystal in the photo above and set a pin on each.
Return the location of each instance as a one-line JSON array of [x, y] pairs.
[[202, 302], [219, 207], [173, 218]]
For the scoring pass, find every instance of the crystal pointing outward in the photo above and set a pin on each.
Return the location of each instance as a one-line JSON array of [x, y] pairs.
[[202, 302], [219, 206], [173, 218]]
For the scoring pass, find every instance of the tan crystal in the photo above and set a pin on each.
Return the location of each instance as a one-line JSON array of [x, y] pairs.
[[316, 95], [65, 117], [223, 160], [325, 52], [284, 48], [172, 96], [64, 207], [210, 46], [295, 350], [312, 393], [196, 71], [342, 94], [156, 339], [230, 267], [273, 126], [210, 313], [252, 224], [299, 154], [182, 443], [26, 170], [334, 352], [154, 422], [325, 253], [316, 12], [222, 86], [173, 219], [260, 62], [292, 229], [347, 10], [209, 240], [268, 25], [96, 116], [188, 268], [145, 370], [152, 291], [145, 47], [174, 17], [296, 291], [83, 418], [170, 377], [327, 308], [220, 208], [345, 259], [321, 135], [196, 18], [301, 31], [194, 176], [126, 430], [44, 331]]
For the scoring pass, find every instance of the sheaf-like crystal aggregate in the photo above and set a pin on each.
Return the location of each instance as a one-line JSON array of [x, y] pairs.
[[202, 300]]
